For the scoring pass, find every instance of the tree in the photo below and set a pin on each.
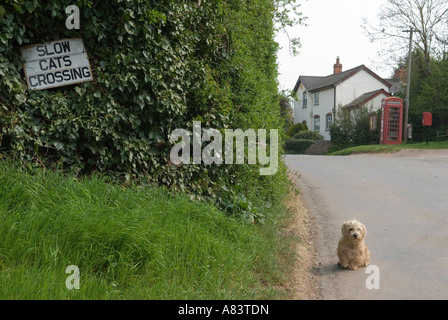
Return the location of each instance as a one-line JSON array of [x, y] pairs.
[[287, 15], [352, 128], [286, 110], [429, 94], [426, 17]]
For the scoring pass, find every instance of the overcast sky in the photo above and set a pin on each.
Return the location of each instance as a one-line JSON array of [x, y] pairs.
[[334, 29]]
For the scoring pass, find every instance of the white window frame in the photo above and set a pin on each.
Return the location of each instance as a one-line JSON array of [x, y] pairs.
[[316, 98], [316, 123], [328, 121], [373, 121]]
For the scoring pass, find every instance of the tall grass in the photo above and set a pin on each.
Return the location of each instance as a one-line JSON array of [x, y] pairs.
[[129, 243]]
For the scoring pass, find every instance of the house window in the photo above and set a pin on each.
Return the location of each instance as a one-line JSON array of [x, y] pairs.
[[317, 123], [328, 121], [316, 98], [305, 99], [373, 121]]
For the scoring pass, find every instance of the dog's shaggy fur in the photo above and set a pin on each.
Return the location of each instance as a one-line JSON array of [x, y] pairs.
[[352, 250]]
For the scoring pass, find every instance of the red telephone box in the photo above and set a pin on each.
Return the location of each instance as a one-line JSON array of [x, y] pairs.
[[391, 121]]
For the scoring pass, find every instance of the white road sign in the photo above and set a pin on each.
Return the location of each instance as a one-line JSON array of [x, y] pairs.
[[56, 63]]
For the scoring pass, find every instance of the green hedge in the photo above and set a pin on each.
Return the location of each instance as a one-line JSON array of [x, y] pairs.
[[301, 141], [157, 66], [151, 76], [297, 146], [309, 135], [296, 128]]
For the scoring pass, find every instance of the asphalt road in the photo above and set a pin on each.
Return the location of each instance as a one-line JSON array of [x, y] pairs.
[[403, 201]]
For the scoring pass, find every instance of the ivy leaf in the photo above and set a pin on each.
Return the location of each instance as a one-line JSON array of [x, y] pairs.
[[58, 145], [3, 39], [17, 7], [129, 29], [31, 5]]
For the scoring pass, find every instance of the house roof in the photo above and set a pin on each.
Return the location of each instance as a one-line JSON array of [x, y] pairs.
[[318, 83], [308, 82], [396, 85], [366, 97]]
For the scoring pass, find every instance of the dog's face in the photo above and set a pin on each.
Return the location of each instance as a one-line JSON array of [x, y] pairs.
[[354, 230]]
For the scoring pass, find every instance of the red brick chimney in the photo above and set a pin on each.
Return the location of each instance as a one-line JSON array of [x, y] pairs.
[[400, 74], [337, 67]]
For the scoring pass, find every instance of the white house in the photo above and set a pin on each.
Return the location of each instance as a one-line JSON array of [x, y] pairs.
[[319, 97]]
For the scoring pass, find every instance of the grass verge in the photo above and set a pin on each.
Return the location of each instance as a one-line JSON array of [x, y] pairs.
[[129, 243], [391, 148]]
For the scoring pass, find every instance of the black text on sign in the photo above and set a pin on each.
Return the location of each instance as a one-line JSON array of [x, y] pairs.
[[56, 63]]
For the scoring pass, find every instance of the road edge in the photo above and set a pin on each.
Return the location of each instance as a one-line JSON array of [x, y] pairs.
[[303, 280]]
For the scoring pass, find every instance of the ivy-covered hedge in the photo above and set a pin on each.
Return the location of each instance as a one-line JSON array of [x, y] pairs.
[[157, 66]]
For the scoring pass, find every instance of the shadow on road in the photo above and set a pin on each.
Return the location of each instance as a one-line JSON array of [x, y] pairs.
[[331, 269]]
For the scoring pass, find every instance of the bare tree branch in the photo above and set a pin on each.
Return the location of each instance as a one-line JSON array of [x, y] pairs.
[[428, 18]]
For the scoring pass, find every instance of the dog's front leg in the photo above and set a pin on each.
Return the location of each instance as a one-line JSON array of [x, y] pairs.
[[352, 266], [343, 263]]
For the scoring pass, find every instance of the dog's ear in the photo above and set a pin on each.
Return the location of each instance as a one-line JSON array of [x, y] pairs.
[[364, 230], [344, 228]]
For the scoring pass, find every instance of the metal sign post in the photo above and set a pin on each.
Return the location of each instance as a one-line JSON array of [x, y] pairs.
[[408, 87]]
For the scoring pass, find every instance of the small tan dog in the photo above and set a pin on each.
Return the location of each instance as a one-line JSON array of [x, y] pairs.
[[352, 251]]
